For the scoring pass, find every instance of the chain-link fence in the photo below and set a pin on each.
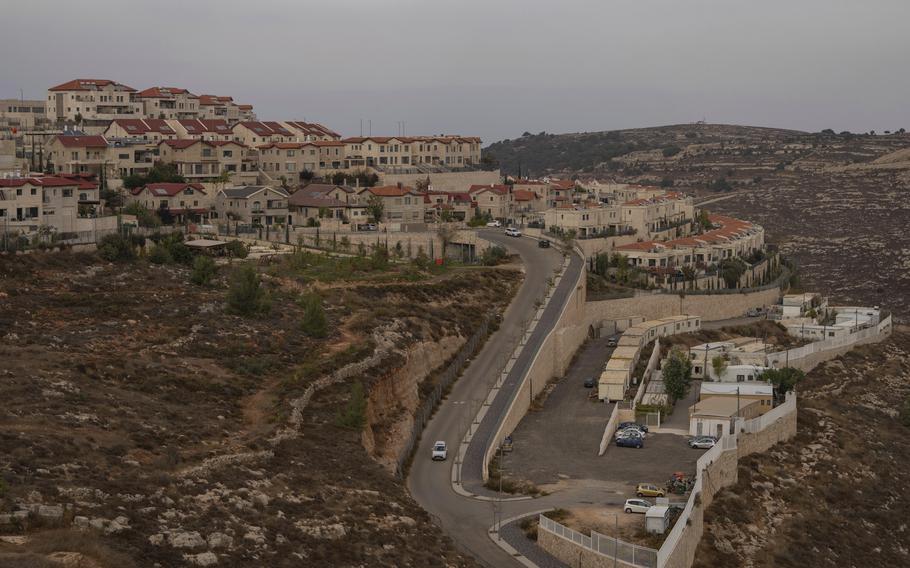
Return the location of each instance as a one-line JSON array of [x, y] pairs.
[[604, 545]]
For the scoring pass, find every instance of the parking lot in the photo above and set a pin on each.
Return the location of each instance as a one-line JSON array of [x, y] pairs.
[[558, 445]]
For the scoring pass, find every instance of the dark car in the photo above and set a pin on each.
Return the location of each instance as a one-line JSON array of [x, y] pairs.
[[590, 382], [630, 442], [543, 243], [625, 425]]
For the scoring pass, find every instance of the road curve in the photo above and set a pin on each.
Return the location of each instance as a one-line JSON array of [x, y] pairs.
[[465, 519]]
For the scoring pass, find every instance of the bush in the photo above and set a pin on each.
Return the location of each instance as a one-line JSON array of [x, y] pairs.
[[160, 255], [245, 296], [670, 151], [493, 256], [204, 270], [145, 217], [180, 253], [115, 248], [237, 249], [354, 414], [314, 322]]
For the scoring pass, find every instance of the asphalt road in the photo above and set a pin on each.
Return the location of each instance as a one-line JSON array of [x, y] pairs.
[[465, 519]]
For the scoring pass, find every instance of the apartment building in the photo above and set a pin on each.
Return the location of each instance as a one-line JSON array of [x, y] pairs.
[[586, 220], [259, 205], [28, 204], [493, 200], [202, 129], [409, 151], [311, 131], [22, 114], [527, 203], [168, 103], [401, 204], [91, 102], [441, 204], [199, 160], [659, 213], [151, 130], [222, 108], [730, 238], [175, 202], [289, 159], [77, 154], [254, 133]]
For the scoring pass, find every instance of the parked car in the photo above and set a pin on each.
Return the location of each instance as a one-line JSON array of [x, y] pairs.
[[590, 382], [755, 312], [630, 441], [513, 232], [496, 224], [636, 506], [366, 227], [649, 490], [641, 427], [631, 430], [611, 342], [702, 442], [439, 451], [543, 243]]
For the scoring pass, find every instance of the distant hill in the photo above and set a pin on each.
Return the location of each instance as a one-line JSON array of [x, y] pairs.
[[587, 152]]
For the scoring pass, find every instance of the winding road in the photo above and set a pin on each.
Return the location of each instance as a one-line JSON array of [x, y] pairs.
[[467, 519]]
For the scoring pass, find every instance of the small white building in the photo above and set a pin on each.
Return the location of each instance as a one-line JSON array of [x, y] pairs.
[[657, 519], [713, 416]]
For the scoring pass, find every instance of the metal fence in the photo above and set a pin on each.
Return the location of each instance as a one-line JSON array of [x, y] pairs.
[[443, 381], [606, 546]]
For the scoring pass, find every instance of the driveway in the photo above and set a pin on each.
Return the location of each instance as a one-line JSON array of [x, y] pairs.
[[560, 442]]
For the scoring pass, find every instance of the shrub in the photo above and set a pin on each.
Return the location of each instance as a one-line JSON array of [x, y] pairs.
[[905, 413], [670, 151], [180, 253], [493, 255], [380, 258], [204, 270], [116, 247], [354, 414], [160, 255], [237, 249], [145, 217], [314, 322], [245, 296]]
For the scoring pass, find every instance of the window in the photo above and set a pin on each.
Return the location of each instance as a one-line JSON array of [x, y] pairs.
[[67, 192]]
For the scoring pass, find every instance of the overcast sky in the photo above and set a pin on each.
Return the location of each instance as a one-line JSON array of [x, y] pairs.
[[493, 68]]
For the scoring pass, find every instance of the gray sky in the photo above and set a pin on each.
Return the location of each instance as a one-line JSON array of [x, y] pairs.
[[493, 68]]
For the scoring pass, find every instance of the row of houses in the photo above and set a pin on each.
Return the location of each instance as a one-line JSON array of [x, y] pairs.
[[95, 102], [57, 202]]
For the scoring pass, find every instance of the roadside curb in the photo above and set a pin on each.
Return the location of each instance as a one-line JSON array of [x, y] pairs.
[[493, 533]]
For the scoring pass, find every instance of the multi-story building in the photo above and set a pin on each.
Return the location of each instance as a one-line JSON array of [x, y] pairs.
[[175, 202], [200, 160], [310, 131], [586, 219], [28, 204], [168, 103], [253, 133], [224, 108], [288, 159], [660, 213], [77, 154], [151, 130], [259, 205], [730, 238], [493, 200], [202, 129], [401, 204], [22, 114], [407, 152], [91, 102]]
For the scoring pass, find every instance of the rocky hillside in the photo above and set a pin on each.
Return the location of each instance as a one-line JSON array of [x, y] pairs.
[[836, 494], [143, 425]]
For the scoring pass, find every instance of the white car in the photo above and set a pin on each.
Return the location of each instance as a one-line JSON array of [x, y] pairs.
[[631, 431], [636, 506], [439, 451], [513, 232], [496, 224]]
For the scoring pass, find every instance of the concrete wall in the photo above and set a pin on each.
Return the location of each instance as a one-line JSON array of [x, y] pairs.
[[809, 356], [710, 307], [573, 554], [448, 181]]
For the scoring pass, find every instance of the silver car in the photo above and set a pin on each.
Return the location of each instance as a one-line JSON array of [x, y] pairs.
[[636, 506]]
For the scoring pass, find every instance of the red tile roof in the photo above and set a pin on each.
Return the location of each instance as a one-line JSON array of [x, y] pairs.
[[391, 191], [524, 195], [196, 126], [265, 128], [163, 93], [82, 141], [168, 189], [47, 181], [187, 142], [136, 126], [498, 189], [89, 85]]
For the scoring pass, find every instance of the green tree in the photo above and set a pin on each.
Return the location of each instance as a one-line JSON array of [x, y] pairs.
[[376, 208], [237, 249], [116, 247], [246, 297], [905, 413], [731, 270], [784, 380], [677, 373], [158, 173], [204, 270], [145, 217], [314, 322], [160, 255], [354, 414], [720, 365]]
